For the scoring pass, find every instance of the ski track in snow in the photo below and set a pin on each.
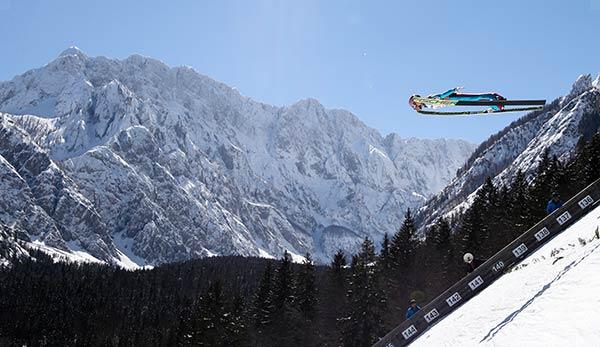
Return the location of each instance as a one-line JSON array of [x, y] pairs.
[[512, 316]]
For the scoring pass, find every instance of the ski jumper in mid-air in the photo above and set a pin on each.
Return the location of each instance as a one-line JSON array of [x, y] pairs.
[[453, 94]]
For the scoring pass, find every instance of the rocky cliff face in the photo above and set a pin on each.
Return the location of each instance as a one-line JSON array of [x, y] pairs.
[[134, 159], [37, 197], [11, 245]]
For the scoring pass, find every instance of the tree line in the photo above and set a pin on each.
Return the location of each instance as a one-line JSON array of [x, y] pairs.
[[237, 301]]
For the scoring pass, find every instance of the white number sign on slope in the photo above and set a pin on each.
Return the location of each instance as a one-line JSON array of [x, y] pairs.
[[585, 202], [476, 282], [431, 315], [453, 299], [542, 234], [410, 331], [563, 218], [498, 266], [520, 250]]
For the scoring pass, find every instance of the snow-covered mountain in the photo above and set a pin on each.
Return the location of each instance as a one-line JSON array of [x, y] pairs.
[[131, 160], [550, 299], [10, 245], [520, 146]]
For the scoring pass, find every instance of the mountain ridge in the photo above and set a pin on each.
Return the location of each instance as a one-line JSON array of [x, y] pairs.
[[178, 165]]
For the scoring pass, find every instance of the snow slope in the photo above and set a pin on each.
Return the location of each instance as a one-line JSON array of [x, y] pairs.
[[550, 299]]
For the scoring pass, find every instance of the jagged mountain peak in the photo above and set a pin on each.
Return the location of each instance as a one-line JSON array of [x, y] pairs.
[[146, 76], [310, 113], [583, 83], [596, 83], [72, 50], [308, 103], [177, 165]]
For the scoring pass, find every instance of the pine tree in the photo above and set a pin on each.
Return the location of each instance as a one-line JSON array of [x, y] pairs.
[[306, 297], [542, 187], [488, 194], [339, 262], [205, 323], [188, 332], [366, 301], [592, 164], [213, 316], [384, 255], [478, 222], [333, 296], [441, 237], [575, 170], [519, 206], [428, 260], [470, 230], [490, 215], [404, 244], [283, 286], [557, 175], [262, 305], [236, 333], [444, 248], [504, 217], [285, 316]]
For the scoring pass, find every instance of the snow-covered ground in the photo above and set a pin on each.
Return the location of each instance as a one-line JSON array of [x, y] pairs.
[[550, 299], [77, 255]]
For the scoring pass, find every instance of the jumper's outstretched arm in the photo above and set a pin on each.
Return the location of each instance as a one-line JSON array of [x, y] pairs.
[[445, 94]]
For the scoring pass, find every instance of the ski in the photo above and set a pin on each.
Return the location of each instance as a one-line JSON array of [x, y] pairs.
[[501, 103], [451, 102], [484, 112]]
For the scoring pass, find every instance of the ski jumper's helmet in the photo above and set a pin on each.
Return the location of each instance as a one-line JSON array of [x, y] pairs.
[[413, 103]]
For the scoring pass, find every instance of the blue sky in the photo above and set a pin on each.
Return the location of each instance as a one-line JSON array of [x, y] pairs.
[[364, 56]]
